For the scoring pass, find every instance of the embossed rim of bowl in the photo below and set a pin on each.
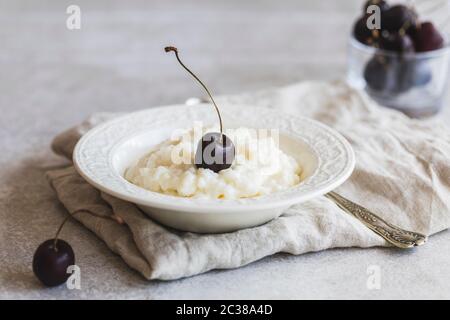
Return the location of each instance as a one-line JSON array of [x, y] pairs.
[[92, 157]]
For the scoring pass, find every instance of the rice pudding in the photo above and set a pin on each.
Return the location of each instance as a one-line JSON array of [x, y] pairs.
[[259, 167]]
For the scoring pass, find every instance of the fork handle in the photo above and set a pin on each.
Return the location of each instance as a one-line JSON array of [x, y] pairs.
[[396, 236]]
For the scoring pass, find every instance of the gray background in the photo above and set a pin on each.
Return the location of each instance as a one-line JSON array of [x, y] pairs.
[[52, 78]]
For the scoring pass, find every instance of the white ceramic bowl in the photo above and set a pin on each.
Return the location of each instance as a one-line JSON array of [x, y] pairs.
[[104, 153]]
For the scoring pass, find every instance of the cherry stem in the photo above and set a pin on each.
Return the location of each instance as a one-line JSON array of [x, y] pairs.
[[113, 217], [168, 49], [55, 241]]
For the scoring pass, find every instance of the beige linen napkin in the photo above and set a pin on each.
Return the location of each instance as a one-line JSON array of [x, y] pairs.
[[402, 173]]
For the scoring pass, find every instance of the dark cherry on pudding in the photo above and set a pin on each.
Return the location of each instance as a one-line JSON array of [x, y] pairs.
[[215, 151], [51, 260]]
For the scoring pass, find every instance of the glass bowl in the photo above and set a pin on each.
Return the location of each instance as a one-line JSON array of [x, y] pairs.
[[414, 83]]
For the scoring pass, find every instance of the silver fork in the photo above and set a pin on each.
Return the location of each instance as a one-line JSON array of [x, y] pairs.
[[398, 237]]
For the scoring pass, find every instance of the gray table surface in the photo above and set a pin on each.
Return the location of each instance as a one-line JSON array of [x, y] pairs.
[[52, 78]]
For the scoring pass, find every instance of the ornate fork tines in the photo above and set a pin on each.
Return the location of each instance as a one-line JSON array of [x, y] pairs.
[[396, 236]]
